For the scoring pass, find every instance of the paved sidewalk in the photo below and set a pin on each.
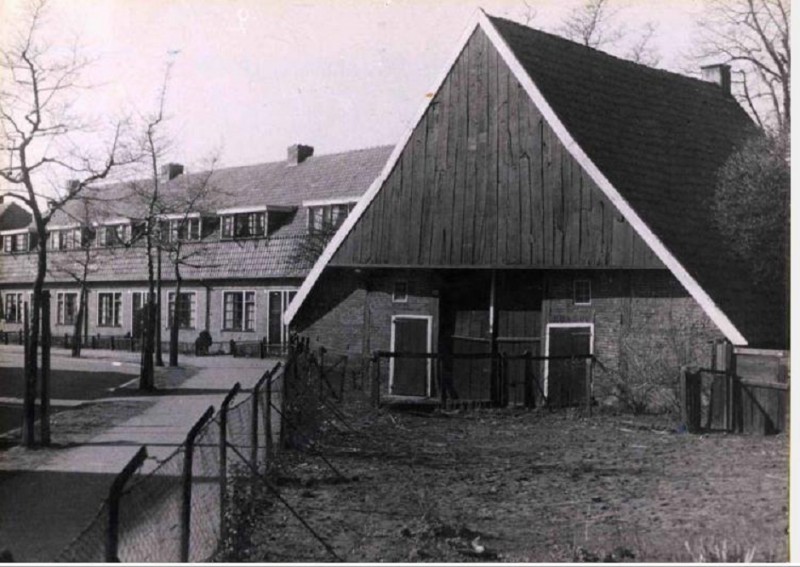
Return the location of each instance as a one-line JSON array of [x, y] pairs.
[[48, 496]]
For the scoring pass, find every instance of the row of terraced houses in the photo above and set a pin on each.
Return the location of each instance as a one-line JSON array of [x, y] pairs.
[[548, 198]]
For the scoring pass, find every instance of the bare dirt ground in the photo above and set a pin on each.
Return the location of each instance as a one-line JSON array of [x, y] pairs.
[[515, 485]]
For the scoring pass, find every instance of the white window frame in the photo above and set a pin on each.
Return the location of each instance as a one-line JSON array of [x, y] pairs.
[[119, 319], [244, 293], [61, 305], [575, 284], [194, 310], [19, 297], [429, 361], [547, 345]]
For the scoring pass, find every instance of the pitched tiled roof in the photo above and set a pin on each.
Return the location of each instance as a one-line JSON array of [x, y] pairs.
[[660, 139], [286, 253], [278, 183]]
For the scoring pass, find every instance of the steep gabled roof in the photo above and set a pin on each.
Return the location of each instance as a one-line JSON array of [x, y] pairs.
[[652, 141]]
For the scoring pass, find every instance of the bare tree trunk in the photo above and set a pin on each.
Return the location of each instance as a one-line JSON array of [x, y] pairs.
[[77, 332], [44, 413], [146, 378], [174, 329], [159, 354], [31, 364]]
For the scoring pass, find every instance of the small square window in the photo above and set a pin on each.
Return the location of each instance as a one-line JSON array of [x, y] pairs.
[[582, 292], [400, 293]]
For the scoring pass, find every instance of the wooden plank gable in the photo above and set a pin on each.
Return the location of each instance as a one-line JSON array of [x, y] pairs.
[[484, 181]]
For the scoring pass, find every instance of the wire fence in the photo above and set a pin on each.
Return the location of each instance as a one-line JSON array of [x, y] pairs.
[[177, 511]]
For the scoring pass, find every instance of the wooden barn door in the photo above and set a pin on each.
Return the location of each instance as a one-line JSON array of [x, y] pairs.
[[410, 376], [566, 379]]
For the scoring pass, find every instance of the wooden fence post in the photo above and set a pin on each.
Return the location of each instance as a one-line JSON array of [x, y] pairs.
[[114, 495], [186, 479], [321, 370], [223, 460], [254, 429]]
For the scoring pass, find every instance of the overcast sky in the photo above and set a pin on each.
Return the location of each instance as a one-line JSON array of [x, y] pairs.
[[251, 77]]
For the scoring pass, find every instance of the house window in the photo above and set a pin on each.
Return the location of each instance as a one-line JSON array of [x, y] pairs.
[[277, 332], [15, 243], [187, 304], [109, 309], [400, 293], [582, 292], [66, 239], [14, 307], [243, 225], [327, 218], [239, 308], [67, 308], [113, 235], [182, 229]]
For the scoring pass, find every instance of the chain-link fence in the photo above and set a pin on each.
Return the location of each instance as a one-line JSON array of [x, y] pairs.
[[177, 512]]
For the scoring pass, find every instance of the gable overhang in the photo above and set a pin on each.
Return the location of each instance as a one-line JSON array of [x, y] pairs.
[[481, 20]]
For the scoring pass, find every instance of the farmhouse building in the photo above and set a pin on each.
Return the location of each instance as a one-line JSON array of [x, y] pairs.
[[247, 244], [549, 198]]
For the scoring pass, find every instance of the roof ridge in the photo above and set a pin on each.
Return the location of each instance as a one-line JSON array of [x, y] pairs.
[[599, 52]]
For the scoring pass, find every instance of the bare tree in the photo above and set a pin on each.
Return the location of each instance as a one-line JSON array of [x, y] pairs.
[[596, 24], [753, 36], [188, 198], [37, 129], [78, 265], [592, 24]]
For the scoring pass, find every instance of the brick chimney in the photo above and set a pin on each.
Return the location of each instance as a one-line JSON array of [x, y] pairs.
[[719, 74], [72, 185], [298, 153], [171, 171]]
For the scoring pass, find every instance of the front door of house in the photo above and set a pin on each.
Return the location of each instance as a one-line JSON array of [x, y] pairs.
[[566, 377], [410, 376]]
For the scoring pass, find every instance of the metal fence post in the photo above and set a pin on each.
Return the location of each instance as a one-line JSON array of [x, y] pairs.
[[114, 495], [254, 428], [186, 503], [223, 460]]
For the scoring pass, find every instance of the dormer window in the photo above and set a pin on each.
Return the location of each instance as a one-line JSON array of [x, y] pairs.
[[327, 217], [243, 225], [17, 241], [114, 234], [183, 228], [66, 238]]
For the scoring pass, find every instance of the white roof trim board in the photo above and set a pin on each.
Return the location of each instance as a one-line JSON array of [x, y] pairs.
[[481, 20]]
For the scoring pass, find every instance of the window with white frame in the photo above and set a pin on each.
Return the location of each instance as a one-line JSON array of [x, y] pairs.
[[66, 239], [183, 229], [13, 307], [244, 225], [187, 308], [113, 234], [582, 292], [400, 291], [67, 308], [325, 218], [15, 243], [239, 310], [277, 332], [109, 309]]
